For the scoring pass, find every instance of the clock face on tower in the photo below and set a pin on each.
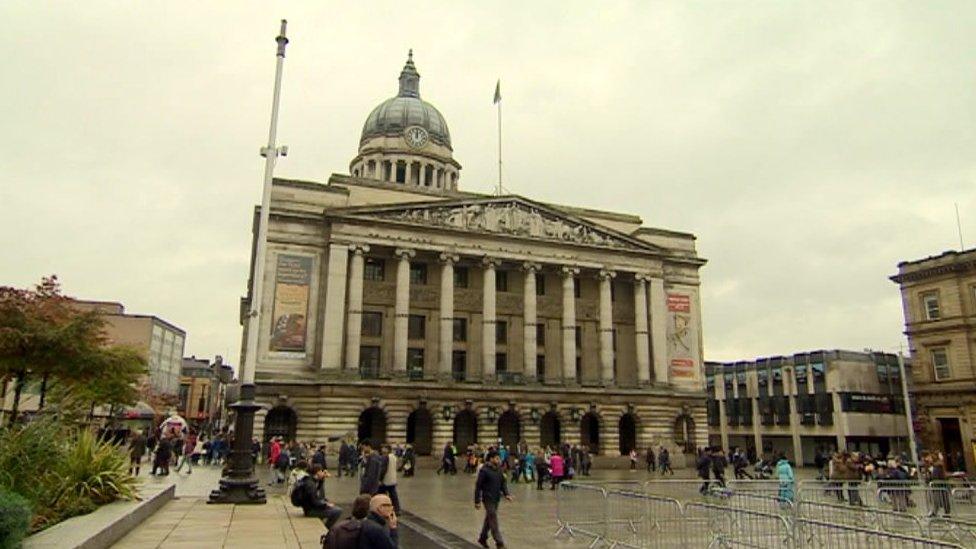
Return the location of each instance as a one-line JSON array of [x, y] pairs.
[[416, 137]]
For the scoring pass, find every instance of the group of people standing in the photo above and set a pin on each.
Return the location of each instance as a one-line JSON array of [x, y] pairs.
[[168, 447], [661, 461]]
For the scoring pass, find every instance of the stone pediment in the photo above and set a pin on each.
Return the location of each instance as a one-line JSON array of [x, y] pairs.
[[511, 216]]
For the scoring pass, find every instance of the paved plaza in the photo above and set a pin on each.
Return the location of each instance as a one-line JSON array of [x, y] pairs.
[[439, 504]]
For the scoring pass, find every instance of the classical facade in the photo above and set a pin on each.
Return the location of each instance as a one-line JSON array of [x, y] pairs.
[[401, 308], [806, 403], [939, 299]]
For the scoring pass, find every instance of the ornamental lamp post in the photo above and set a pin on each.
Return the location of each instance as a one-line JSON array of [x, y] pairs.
[[239, 484]]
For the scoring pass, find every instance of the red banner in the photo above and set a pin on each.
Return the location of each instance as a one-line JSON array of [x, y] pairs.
[[679, 303], [682, 367]]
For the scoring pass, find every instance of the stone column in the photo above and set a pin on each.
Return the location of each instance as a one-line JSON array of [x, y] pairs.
[[354, 319], [401, 312], [335, 306], [659, 333], [529, 321], [569, 325], [606, 327], [640, 330], [488, 321], [447, 314]]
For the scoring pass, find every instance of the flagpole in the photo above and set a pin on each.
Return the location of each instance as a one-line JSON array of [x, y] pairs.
[[239, 483], [499, 190]]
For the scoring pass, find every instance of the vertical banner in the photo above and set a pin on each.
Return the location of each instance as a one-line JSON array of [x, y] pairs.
[[293, 274], [682, 337]]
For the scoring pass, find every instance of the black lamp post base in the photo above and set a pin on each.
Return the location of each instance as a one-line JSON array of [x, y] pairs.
[[239, 484], [238, 491]]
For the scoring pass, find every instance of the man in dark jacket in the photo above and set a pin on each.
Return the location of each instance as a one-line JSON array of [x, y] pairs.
[[318, 458], [373, 472], [704, 466], [312, 495], [379, 528], [489, 489]]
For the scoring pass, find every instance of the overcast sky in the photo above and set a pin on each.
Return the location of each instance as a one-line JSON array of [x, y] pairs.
[[810, 147]]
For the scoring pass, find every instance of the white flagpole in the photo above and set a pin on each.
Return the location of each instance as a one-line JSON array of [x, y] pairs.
[[270, 153], [499, 190]]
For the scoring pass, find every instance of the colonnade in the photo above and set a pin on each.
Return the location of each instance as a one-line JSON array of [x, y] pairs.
[[346, 269], [429, 174]]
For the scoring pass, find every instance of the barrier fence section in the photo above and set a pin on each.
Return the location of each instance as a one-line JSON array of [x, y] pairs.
[[709, 525], [581, 509], [635, 519], [941, 498], [815, 533], [862, 517], [952, 530]]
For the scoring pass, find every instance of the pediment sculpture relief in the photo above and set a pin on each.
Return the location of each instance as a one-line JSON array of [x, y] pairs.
[[512, 218]]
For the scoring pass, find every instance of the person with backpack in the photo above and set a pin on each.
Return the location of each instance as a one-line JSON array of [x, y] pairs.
[[373, 471], [309, 494], [345, 535], [388, 482], [489, 489], [281, 466]]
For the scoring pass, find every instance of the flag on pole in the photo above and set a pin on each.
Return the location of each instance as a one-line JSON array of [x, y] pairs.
[[498, 92]]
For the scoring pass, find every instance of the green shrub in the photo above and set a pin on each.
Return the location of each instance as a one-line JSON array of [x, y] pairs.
[[62, 471], [15, 516]]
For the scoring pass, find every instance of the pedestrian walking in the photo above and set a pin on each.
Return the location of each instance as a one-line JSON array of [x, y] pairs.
[[704, 466], [664, 461], [784, 472], [189, 445], [164, 452], [137, 449], [633, 460], [373, 470], [650, 459], [489, 490], [388, 483], [556, 469]]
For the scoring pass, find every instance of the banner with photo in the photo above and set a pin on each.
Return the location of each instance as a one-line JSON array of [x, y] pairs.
[[682, 337], [293, 276]]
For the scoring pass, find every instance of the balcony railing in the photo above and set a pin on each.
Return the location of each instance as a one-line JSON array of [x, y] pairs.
[[511, 378], [369, 372]]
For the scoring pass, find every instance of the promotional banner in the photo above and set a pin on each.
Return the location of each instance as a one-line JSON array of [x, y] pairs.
[[682, 337], [293, 275]]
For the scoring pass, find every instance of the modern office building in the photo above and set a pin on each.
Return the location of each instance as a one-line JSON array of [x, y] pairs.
[[808, 402], [939, 299], [401, 308]]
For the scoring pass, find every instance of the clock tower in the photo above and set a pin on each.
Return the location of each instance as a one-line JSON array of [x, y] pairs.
[[405, 140]]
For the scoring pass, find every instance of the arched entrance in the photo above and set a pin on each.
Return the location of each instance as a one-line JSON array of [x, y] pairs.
[[549, 430], [282, 422], [628, 433], [590, 431], [372, 426], [684, 433], [419, 429], [509, 428], [465, 429]]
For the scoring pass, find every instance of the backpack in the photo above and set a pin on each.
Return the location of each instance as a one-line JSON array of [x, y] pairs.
[[298, 494], [344, 535]]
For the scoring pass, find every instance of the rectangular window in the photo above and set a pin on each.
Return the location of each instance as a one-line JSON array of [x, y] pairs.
[[940, 363], [460, 329], [372, 324], [418, 273], [613, 292], [501, 281], [579, 338], [713, 414], [501, 332], [576, 288], [540, 368], [415, 363], [579, 368], [369, 362], [416, 327], [930, 304], [460, 277], [540, 334], [501, 364], [459, 364], [540, 284], [184, 396], [373, 269]]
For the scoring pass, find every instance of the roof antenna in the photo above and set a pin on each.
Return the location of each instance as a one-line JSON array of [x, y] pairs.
[[959, 227]]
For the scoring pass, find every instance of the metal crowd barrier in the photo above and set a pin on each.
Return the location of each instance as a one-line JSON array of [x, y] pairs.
[[640, 520], [731, 527], [771, 504], [952, 530], [581, 509], [815, 533], [862, 517]]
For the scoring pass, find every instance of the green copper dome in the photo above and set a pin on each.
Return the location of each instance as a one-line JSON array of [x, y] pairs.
[[407, 109]]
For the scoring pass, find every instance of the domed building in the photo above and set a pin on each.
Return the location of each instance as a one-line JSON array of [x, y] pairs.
[[405, 140], [399, 308]]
